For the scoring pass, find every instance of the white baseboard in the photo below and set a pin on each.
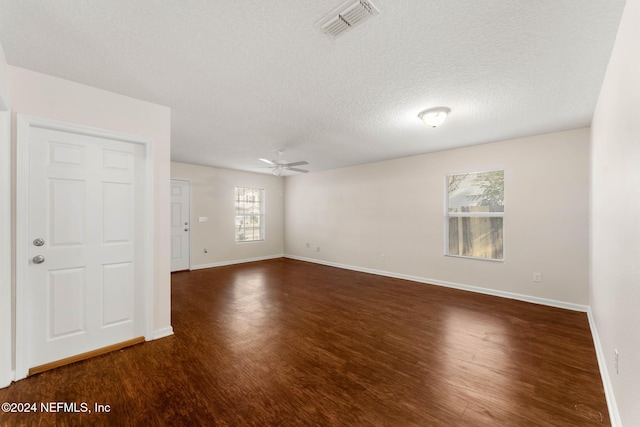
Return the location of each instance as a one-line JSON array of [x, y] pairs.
[[614, 415], [161, 333], [12, 376], [235, 261], [477, 289]]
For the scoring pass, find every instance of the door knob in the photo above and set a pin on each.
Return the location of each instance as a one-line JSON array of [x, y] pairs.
[[38, 259], [38, 242]]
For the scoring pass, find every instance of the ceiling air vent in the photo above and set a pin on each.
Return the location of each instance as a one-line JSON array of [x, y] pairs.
[[347, 16]]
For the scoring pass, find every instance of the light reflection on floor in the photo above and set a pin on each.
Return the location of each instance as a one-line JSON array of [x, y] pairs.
[[250, 316], [476, 349]]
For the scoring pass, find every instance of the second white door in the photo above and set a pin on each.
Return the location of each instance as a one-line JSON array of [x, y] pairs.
[[180, 225]]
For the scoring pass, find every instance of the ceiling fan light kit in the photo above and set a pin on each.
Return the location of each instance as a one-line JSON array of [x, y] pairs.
[[433, 117], [280, 165]]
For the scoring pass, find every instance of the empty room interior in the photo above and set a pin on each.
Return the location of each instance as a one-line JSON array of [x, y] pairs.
[[320, 213]]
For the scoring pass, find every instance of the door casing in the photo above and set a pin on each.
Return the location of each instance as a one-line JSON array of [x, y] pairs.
[[6, 309]]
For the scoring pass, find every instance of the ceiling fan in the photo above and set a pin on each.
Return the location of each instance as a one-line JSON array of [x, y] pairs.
[[280, 165]]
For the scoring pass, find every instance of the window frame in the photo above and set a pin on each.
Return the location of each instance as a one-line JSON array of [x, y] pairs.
[[261, 215], [448, 215]]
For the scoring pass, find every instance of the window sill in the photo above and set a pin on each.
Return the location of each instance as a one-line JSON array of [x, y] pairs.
[[501, 260]]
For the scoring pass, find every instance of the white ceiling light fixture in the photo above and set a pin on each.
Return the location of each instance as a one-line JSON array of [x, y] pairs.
[[433, 117]]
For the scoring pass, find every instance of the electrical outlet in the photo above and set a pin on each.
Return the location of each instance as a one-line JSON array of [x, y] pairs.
[[381, 257], [537, 277], [616, 361]]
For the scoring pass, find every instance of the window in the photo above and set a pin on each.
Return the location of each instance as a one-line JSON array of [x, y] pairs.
[[249, 214], [475, 214]]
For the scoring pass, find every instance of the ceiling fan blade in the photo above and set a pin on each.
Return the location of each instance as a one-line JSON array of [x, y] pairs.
[[267, 161], [298, 170], [297, 163]]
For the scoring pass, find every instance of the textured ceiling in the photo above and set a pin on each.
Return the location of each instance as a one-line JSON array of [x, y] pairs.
[[246, 78]]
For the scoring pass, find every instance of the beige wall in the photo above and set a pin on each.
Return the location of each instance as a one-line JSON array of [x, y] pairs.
[[615, 215], [389, 216], [212, 195], [49, 97], [4, 80]]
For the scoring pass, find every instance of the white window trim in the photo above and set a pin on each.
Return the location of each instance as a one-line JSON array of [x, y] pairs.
[[263, 206], [475, 214], [448, 215]]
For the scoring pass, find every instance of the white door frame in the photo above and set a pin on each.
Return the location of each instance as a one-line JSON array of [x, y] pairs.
[[188, 181], [23, 287], [6, 310]]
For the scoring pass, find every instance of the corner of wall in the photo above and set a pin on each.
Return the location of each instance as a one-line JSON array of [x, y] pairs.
[[614, 415], [6, 310], [614, 234]]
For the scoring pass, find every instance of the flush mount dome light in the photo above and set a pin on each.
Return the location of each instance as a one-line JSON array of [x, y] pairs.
[[434, 117]]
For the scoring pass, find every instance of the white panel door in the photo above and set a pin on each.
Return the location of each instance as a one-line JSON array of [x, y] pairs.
[[180, 225], [84, 256]]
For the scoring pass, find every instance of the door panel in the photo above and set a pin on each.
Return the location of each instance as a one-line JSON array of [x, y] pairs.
[[66, 290], [117, 203], [117, 288], [67, 212], [176, 247]]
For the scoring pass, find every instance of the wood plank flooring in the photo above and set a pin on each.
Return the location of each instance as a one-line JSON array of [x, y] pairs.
[[289, 343]]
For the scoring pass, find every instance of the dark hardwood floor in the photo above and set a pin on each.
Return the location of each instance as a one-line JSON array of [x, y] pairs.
[[289, 343]]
